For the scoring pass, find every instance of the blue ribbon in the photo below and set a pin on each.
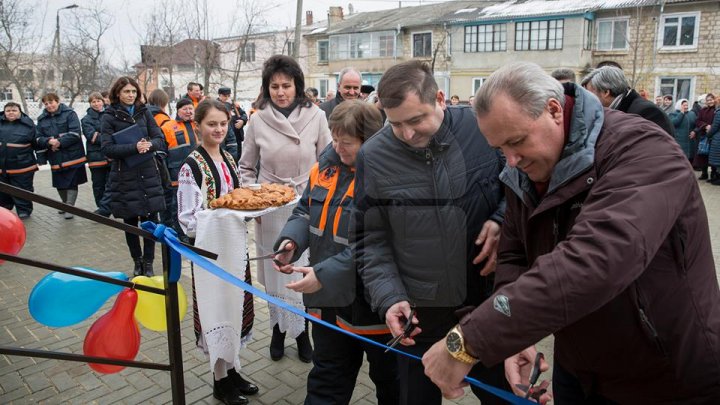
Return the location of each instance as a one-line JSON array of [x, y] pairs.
[[169, 237]]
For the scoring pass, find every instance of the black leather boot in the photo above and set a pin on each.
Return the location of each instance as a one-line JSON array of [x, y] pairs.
[[277, 344], [225, 391], [138, 271], [148, 266], [245, 386], [304, 347]]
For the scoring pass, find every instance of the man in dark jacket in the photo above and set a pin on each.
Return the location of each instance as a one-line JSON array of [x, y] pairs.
[[17, 156], [609, 84], [605, 244], [349, 83], [238, 120], [427, 200]]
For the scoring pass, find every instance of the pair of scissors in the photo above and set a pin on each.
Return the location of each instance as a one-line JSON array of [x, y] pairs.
[[409, 327], [281, 249], [530, 390]]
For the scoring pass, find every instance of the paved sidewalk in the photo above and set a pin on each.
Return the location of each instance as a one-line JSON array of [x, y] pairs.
[[78, 242]]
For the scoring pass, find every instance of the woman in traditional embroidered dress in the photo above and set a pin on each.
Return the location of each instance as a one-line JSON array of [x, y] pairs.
[[284, 140], [208, 173]]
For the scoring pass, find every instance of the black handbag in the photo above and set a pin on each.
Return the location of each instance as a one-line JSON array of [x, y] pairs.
[[160, 162]]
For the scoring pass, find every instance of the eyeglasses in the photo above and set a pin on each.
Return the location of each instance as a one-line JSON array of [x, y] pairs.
[[407, 330]]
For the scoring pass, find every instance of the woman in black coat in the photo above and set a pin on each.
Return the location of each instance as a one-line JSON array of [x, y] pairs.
[[58, 137], [135, 186]]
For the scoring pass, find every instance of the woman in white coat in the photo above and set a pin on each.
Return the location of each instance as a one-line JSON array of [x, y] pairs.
[[283, 140]]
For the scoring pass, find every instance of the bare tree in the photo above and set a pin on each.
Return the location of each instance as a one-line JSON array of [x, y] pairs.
[[206, 54], [82, 58], [163, 30], [16, 42], [248, 18]]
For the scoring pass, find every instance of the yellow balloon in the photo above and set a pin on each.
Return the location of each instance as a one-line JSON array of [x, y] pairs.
[[150, 309]]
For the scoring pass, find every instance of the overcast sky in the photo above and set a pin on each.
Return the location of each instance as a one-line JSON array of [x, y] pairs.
[[123, 41]]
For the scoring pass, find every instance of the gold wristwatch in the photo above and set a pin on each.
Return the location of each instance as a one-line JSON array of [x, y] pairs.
[[455, 344]]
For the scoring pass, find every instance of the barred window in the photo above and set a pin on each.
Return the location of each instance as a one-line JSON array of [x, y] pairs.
[[539, 35], [486, 38]]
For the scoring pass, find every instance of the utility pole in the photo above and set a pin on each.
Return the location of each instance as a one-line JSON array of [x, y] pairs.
[[55, 45], [298, 29]]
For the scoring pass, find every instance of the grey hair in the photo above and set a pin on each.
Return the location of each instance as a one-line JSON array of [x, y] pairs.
[[525, 83], [607, 78], [346, 71], [564, 74]]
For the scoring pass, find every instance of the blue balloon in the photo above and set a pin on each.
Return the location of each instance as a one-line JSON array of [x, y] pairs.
[[62, 299]]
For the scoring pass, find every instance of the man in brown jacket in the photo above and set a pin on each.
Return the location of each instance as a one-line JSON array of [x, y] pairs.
[[605, 244]]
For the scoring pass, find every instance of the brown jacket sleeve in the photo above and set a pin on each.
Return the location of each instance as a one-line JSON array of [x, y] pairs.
[[642, 187]]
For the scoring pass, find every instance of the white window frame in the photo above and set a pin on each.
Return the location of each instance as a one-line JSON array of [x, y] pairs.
[[535, 37], [412, 43], [498, 37], [477, 82], [615, 20], [679, 16], [443, 81], [323, 88], [691, 94], [327, 51], [6, 94]]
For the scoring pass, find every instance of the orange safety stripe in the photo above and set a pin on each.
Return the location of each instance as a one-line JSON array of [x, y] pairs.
[[25, 170], [174, 183], [69, 163], [365, 330], [328, 198], [97, 164], [74, 162], [348, 194]]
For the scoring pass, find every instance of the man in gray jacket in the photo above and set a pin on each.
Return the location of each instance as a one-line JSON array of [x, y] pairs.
[[427, 220]]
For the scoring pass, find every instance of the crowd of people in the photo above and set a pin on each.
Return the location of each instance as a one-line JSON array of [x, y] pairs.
[[464, 232]]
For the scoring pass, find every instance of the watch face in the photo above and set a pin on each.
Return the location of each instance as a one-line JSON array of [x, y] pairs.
[[454, 342]]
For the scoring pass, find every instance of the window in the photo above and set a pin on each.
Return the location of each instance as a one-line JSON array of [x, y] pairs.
[[443, 81], [290, 46], [6, 94], [29, 94], [539, 35], [48, 74], [588, 27], [678, 87], [247, 53], [679, 30], [422, 45], [612, 34], [322, 88], [26, 75], [322, 51], [379, 44], [476, 83], [486, 38]]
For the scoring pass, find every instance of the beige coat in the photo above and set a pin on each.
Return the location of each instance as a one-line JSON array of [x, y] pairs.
[[286, 148]]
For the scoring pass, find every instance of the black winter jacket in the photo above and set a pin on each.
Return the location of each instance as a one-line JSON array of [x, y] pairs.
[[63, 125], [135, 191], [330, 105], [419, 211], [17, 145], [90, 125], [633, 103]]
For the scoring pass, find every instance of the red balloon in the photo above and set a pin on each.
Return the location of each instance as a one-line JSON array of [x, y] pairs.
[[12, 233], [115, 334]]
